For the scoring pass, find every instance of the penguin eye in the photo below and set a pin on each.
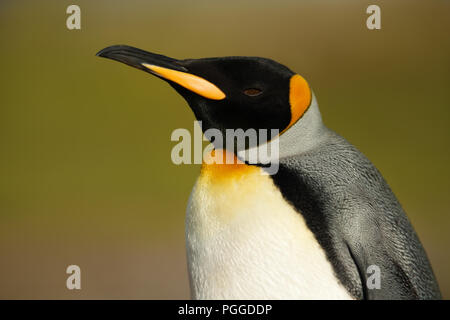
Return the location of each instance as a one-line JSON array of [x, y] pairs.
[[252, 92]]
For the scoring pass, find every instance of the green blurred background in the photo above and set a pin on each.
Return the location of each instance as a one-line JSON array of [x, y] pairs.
[[85, 170]]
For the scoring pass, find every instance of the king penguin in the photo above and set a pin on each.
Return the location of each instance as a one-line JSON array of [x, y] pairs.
[[321, 227]]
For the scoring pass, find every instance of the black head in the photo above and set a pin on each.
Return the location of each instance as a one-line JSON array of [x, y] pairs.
[[227, 92]]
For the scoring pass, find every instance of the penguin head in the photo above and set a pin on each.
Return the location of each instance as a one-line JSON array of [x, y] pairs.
[[227, 92]]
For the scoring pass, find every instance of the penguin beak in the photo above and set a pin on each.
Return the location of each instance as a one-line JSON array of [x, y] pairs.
[[163, 67]]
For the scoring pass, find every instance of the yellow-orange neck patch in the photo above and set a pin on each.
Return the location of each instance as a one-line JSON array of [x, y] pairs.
[[299, 98], [221, 172], [190, 81]]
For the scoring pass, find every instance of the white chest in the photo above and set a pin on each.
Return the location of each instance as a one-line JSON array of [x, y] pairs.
[[244, 241]]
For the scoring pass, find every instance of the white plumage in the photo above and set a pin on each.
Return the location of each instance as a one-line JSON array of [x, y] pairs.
[[244, 241]]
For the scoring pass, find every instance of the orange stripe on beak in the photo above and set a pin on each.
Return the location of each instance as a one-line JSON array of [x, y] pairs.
[[189, 81]]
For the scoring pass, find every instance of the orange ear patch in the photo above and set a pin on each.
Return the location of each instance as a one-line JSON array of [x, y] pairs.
[[299, 98]]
